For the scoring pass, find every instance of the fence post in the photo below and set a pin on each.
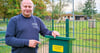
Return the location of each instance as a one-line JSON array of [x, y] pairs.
[[60, 44], [67, 27], [52, 24], [3, 19], [7, 21]]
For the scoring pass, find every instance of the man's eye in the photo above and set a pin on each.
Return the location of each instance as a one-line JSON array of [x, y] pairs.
[[25, 6], [30, 6]]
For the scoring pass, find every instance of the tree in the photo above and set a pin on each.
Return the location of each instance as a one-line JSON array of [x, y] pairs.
[[9, 9], [58, 6], [3, 8], [12, 8], [79, 6], [89, 8], [40, 9]]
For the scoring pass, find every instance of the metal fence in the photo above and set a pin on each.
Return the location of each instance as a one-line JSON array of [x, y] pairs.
[[3, 47], [87, 36], [86, 33]]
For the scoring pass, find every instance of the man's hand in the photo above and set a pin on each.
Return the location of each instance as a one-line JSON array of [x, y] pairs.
[[33, 43], [55, 33]]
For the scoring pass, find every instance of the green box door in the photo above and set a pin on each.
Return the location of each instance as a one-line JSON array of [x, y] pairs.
[[60, 44]]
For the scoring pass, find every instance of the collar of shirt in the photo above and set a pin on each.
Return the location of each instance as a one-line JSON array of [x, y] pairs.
[[26, 17]]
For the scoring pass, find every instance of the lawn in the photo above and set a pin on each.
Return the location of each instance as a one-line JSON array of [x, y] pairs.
[[5, 49]]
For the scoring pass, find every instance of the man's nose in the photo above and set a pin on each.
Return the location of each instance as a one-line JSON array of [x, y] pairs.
[[27, 8]]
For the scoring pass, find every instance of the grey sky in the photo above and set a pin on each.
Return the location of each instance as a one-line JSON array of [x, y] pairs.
[[83, 1], [76, 5]]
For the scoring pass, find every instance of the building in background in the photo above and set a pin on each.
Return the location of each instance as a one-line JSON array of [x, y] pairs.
[[76, 17]]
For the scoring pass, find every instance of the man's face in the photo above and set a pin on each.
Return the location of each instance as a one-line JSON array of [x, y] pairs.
[[26, 8]]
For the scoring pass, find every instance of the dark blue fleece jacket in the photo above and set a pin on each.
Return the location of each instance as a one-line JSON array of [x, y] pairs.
[[21, 29]]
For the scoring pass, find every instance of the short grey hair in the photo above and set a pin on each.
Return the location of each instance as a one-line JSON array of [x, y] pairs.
[[28, 0]]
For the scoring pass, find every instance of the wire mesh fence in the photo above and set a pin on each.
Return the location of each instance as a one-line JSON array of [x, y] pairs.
[[86, 33], [87, 38], [3, 47]]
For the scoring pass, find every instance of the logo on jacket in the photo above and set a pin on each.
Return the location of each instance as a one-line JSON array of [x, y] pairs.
[[35, 25]]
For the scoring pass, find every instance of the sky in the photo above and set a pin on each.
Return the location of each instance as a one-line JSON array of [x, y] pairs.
[[77, 3], [83, 1]]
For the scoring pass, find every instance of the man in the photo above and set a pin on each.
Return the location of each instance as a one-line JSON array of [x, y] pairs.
[[23, 30]]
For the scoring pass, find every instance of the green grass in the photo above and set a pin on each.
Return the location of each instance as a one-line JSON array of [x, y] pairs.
[[3, 26], [5, 49], [2, 35]]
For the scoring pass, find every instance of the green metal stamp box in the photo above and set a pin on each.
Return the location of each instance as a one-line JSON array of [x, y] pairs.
[[60, 44]]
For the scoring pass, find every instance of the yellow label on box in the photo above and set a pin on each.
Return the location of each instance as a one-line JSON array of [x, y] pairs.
[[57, 48]]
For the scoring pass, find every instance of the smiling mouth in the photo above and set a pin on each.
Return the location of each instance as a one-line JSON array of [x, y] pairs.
[[27, 11]]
